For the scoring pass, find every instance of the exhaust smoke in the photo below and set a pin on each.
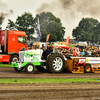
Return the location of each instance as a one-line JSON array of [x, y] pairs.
[[4, 12]]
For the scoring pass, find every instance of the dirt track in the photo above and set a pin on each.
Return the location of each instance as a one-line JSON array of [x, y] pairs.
[[66, 91], [11, 73], [73, 91]]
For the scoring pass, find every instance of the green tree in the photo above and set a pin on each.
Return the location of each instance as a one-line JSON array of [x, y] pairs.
[[96, 35], [85, 31], [49, 24], [11, 25], [25, 22]]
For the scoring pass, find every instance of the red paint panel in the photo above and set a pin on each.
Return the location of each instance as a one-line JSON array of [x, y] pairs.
[[4, 58]]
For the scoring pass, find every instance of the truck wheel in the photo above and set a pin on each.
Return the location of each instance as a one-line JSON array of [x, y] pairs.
[[41, 69], [18, 69], [14, 58], [29, 68], [87, 68], [5, 62], [55, 63]]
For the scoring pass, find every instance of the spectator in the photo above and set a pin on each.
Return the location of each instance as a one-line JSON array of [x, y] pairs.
[[61, 51], [78, 52], [74, 53], [64, 51], [82, 52], [58, 50], [32, 48], [99, 53], [86, 54], [94, 53], [89, 52]]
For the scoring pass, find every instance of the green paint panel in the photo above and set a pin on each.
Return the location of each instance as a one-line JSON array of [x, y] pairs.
[[37, 63], [24, 64], [14, 65]]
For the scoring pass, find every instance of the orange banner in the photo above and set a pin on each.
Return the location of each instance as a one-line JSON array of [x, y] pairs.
[[47, 38], [67, 40]]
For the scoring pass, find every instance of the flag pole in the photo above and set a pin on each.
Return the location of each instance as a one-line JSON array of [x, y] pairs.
[[38, 30]]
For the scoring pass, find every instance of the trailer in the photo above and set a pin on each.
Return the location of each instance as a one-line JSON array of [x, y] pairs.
[[83, 64]]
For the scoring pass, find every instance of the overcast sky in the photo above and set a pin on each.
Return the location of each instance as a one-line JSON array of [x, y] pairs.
[[69, 11]]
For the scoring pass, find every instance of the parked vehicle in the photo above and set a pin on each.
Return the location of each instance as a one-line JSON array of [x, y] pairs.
[[11, 42]]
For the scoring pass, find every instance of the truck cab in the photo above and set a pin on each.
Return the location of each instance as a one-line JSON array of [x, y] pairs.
[[11, 42]]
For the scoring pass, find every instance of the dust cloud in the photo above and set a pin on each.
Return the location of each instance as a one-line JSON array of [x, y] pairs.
[[4, 11]]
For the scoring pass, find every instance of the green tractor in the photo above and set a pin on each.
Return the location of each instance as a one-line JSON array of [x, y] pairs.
[[30, 59]]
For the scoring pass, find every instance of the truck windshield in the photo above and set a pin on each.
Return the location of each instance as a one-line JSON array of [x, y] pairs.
[[22, 39]]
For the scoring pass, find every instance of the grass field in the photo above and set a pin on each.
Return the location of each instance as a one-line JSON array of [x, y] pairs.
[[5, 65], [55, 80]]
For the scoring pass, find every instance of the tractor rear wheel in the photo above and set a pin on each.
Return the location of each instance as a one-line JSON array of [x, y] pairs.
[[87, 68], [55, 63]]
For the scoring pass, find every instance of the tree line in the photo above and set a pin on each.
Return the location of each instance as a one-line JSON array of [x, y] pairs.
[[88, 29], [49, 24]]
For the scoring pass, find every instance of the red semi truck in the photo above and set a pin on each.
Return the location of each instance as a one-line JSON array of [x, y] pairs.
[[11, 42]]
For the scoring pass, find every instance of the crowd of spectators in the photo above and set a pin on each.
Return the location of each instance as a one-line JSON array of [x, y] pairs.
[[76, 52]]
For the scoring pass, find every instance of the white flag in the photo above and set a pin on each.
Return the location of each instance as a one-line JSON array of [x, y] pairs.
[[38, 29]]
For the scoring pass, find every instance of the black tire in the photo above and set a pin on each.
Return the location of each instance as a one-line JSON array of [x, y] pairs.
[[55, 63], [14, 58], [29, 68], [18, 69], [87, 68], [5, 62], [41, 69]]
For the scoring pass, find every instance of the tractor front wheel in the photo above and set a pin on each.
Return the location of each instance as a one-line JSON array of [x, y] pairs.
[[29, 68]]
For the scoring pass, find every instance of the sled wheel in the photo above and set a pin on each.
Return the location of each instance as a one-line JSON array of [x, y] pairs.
[[18, 69], [87, 68], [55, 63], [29, 68]]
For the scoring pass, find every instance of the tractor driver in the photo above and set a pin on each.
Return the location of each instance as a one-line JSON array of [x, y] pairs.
[[47, 51]]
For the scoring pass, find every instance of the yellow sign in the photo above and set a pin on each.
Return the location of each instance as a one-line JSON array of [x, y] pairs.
[[87, 60]]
